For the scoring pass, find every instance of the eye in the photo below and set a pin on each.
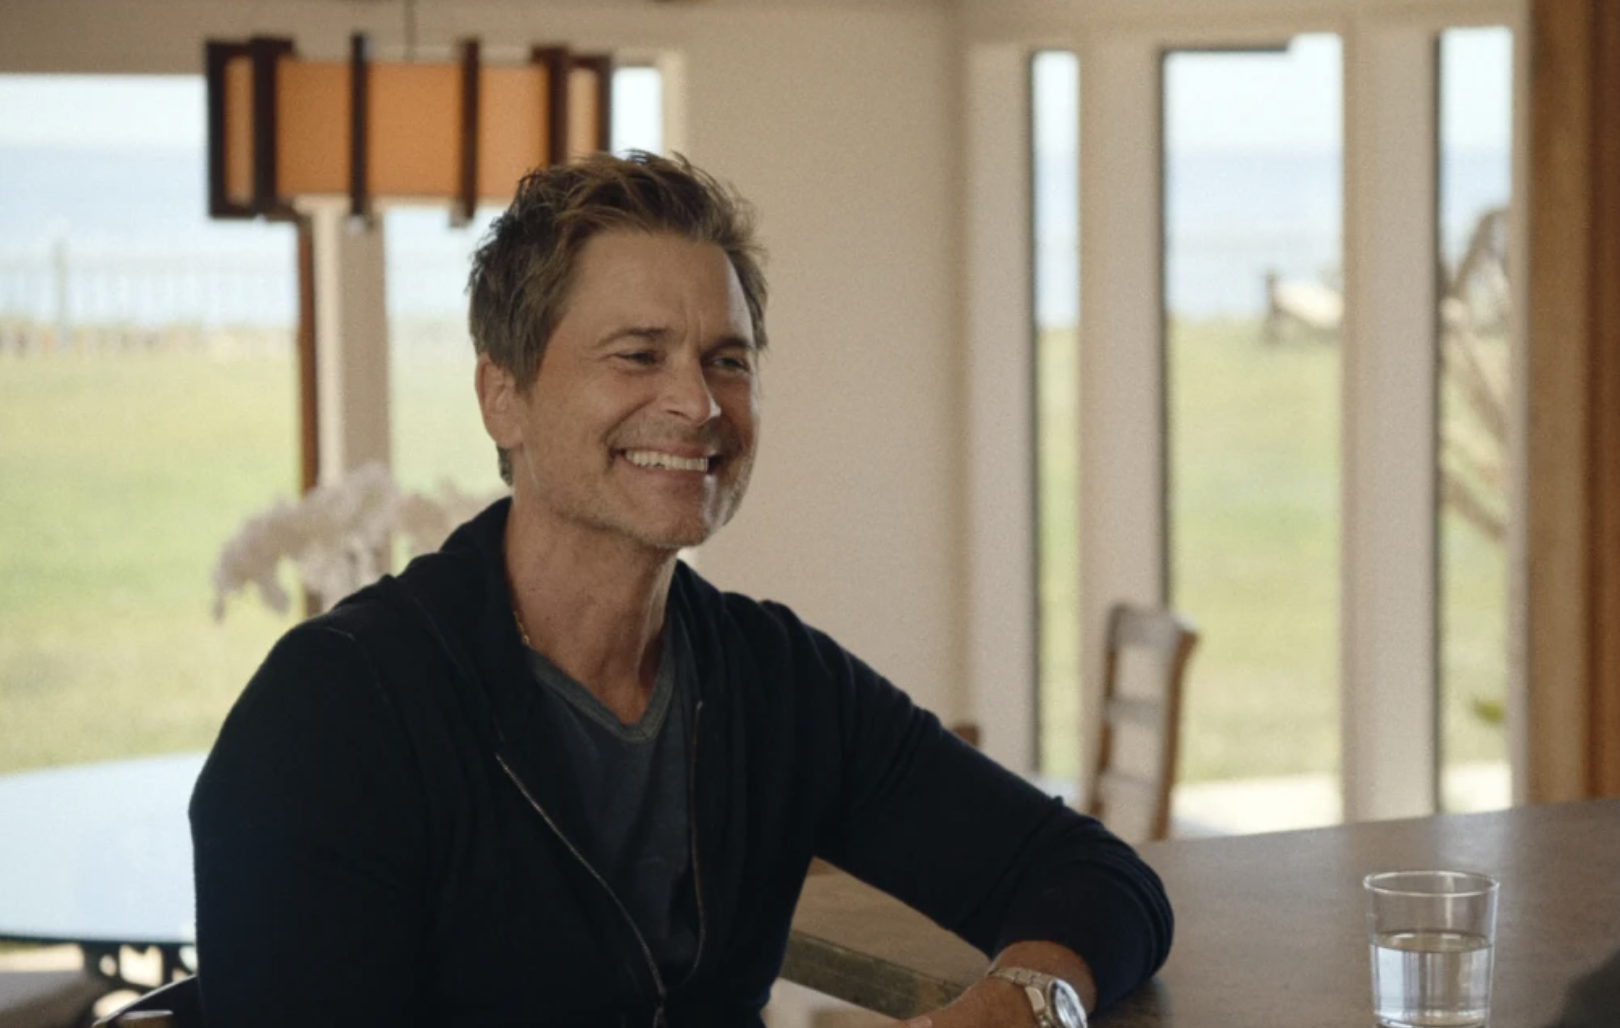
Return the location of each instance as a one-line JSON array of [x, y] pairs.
[[738, 361], [640, 358]]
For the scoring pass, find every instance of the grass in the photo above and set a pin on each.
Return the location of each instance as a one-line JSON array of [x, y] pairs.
[[124, 473], [1254, 501], [1254, 560], [437, 434], [1057, 376]]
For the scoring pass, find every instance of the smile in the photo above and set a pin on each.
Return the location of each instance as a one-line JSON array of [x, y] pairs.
[[665, 461]]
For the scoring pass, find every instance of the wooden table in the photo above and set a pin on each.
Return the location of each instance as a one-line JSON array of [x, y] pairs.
[[1270, 929]]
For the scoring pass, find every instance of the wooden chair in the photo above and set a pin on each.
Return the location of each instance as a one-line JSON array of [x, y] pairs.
[[1145, 662], [181, 1000]]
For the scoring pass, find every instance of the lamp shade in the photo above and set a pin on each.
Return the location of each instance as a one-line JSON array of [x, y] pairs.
[[281, 128]]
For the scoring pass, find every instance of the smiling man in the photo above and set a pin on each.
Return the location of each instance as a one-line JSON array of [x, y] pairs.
[[549, 775]]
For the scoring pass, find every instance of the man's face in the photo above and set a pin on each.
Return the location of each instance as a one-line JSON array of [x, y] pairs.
[[641, 424]]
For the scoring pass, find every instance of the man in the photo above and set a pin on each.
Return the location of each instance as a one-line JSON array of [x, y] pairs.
[[549, 775]]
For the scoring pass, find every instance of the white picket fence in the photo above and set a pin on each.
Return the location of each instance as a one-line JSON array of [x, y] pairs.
[[75, 298]]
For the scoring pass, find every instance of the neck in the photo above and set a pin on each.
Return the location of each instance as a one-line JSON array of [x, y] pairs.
[[594, 608]]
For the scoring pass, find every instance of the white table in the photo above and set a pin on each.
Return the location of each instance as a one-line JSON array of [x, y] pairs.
[[99, 855]]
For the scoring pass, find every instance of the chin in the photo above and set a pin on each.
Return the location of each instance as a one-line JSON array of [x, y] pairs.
[[681, 539], [666, 537], [685, 532], [680, 528]]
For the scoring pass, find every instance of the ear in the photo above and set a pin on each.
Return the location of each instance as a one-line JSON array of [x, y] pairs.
[[499, 403]]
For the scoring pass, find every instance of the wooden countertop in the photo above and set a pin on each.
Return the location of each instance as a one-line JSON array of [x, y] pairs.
[[1270, 928]]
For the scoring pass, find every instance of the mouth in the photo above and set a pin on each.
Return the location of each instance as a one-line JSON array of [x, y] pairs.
[[658, 460]]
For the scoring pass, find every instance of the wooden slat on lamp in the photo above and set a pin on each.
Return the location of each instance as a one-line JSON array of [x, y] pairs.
[[267, 53], [359, 125], [466, 199], [230, 127], [604, 100], [554, 62]]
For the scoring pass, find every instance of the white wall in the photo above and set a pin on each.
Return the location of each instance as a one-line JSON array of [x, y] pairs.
[[838, 120]]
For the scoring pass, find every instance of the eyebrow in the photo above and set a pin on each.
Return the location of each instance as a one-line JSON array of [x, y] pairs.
[[655, 333], [651, 333]]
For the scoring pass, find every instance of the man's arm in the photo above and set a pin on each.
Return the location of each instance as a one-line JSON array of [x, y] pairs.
[[307, 840], [993, 1002], [939, 825]]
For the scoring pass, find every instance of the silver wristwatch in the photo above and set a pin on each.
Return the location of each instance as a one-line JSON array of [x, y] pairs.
[[1054, 1000]]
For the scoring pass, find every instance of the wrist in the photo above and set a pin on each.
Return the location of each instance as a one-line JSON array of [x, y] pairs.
[[1048, 1001], [1005, 1002]]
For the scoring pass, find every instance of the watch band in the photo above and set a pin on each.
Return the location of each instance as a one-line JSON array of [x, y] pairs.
[[1054, 1001]]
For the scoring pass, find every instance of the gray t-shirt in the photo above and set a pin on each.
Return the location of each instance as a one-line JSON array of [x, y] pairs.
[[632, 778]]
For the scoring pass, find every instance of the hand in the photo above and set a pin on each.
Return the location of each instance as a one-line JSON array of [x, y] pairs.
[[990, 1003]]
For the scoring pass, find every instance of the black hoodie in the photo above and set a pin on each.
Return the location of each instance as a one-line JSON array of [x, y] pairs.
[[377, 843]]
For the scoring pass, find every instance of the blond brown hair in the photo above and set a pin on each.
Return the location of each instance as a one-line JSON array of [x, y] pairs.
[[523, 270]]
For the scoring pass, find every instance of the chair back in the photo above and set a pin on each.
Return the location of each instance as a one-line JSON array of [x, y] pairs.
[[181, 1000], [1144, 666]]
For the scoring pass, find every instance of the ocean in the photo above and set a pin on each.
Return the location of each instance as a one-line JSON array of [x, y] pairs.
[[123, 235], [1230, 217]]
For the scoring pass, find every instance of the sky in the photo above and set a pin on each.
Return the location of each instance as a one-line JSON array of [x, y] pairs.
[[1212, 97], [148, 111]]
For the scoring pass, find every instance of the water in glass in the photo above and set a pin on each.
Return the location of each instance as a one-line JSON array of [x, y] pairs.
[[1431, 979]]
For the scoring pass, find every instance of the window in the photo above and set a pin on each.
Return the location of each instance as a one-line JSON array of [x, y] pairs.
[[1277, 433], [1476, 107], [1252, 208], [638, 108], [146, 407], [1055, 96]]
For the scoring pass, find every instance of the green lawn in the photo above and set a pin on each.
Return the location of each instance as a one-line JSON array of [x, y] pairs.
[[438, 436], [123, 474], [1254, 543]]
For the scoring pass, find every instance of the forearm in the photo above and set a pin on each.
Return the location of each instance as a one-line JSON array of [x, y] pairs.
[[984, 853], [1093, 895]]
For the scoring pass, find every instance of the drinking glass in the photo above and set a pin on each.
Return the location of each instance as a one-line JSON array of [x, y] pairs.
[[1432, 935]]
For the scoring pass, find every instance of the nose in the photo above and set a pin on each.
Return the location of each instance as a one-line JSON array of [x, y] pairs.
[[687, 393]]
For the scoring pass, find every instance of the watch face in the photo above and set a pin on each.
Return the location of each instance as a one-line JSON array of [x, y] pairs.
[[1066, 1006]]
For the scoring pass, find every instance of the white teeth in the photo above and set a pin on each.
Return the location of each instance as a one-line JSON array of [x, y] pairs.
[[655, 459]]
